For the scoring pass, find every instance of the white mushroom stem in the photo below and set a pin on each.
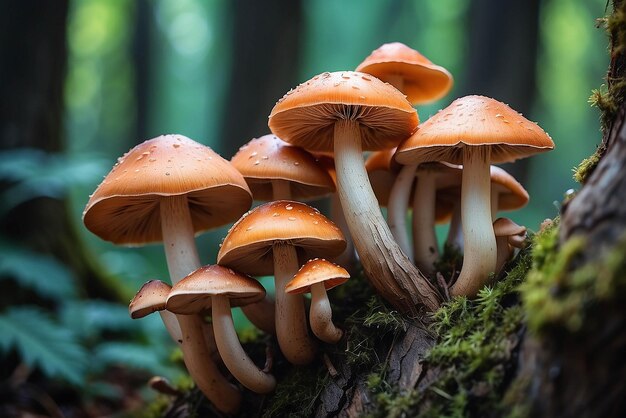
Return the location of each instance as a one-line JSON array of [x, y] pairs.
[[479, 259], [397, 207], [425, 247], [494, 203], [281, 190], [182, 258], [321, 316], [291, 325], [261, 314], [233, 354], [455, 233], [389, 270]]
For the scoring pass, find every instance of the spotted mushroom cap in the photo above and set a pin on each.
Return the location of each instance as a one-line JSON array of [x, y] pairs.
[[423, 81], [317, 271], [150, 298], [124, 209], [248, 245], [192, 295], [306, 115], [512, 194], [474, 121], [269, 158]]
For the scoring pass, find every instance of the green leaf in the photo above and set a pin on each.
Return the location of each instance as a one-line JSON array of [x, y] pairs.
[[91, 317], [39, 272], [134, 356], [42, 343]]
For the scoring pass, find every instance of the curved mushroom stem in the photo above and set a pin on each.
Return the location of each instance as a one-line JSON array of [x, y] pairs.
[[479, 259], [455, 233], [281, 190], [397, 208], [389, 270], [321, 316], [233, 354], [505, 252], [291, 327], [424, 239], [182, 258], [261, 314]]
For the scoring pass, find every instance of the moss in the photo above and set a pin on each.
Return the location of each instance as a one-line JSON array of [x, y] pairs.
[[587, 166], [297, 393], [554, 295]]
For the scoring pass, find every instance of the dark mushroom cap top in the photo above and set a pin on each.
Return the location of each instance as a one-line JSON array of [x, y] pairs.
[[150, 298], [423, 81], [306, 115], [124, 209], [317, 271], [474, 121], [248, 245], [269, 158], [193, 293]]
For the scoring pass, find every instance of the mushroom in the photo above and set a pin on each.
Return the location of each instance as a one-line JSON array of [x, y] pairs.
[[474, 131], [150, 298], [276, 170], [275, 238], [316, 277], [509, 236], [220, 288], [506, 192], [422, 82], [348, 112], [167, 189]]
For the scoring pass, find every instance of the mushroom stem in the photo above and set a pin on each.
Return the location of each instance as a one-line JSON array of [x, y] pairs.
[[281, 190], [389, 270], [203, 370], [504, 251], [261, 314], [479, 259], [424, 239], [182, 258], [397, 208], [494, 203], [455, 233], [321, 315], [347, 258], [291, 327], [235, 358]]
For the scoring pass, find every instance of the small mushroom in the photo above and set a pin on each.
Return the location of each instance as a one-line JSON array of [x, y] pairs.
[[150, 298], [278, 237], [317, 276], [509, 236], [219, 288]]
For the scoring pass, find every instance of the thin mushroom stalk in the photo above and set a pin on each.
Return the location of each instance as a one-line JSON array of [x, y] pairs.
[[480, 256], [387, 266], [235, 358], [455, 233], [397, 208], [425, 247], [321, 316], [182, 258], [291, 323]]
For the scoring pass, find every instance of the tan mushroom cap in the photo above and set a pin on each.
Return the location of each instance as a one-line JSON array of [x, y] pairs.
[[269, 158], [248, 245], [474, 121], [306, 115], [193, 293], [423, 81], [317, 271], [512, 194], [124, 209], [504, 227], [149, 299]]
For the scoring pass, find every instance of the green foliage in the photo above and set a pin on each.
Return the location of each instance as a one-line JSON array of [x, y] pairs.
[[297, 392], [587, 166], [43, 343]]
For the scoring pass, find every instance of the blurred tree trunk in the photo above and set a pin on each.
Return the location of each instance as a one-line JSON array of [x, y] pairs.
[[502, 54], [265, 57], [141, 61], [33, 57]]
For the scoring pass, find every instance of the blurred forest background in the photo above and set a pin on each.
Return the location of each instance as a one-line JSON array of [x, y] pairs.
[[83, 81]]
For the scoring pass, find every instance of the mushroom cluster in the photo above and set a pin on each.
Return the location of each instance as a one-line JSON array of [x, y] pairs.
[[170, 188]]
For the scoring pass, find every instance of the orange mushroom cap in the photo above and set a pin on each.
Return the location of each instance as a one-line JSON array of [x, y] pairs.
[[269, 158], [306, 115], [512, 194], [474, 121], [124, 209], [193, 293], [423, 81], [149, 299], [315, 271], [247, 247]]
